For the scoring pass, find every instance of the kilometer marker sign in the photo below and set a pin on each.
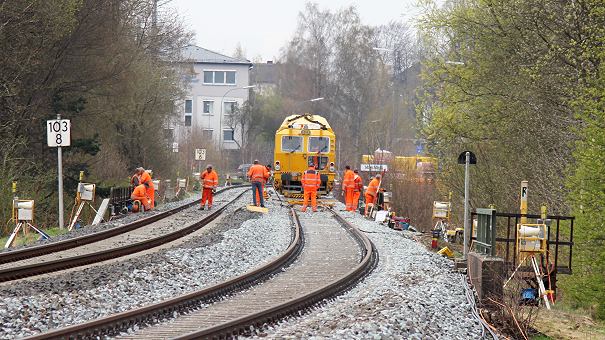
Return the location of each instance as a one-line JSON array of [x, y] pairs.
[[58, 132]]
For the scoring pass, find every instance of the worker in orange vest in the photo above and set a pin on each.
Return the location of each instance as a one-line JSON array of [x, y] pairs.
[[348, 187], [310, 182], [140, 194], [209, 179], [371, 192], [358, 188], [258, 174], [145, 179], [268, 166]]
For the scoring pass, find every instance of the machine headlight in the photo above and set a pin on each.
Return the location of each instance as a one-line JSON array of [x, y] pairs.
[[332, 167], [277, 166]]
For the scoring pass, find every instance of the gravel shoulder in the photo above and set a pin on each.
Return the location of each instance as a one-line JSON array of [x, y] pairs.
[[412, 294], [237, 243]]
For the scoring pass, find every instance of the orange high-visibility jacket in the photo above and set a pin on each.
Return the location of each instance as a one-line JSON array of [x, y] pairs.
[[139, 192], [258, 173], [209, 179], [146, 180], [373, 187], [311, 180], [358, 183], [348, 181]]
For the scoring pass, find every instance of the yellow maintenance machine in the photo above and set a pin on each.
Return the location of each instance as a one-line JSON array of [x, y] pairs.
[[302, 141]]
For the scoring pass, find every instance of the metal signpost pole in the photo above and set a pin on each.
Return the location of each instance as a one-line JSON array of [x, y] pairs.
[[466, 199], [60, 177]]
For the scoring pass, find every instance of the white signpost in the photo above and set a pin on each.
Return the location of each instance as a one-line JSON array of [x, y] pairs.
[[58, 134], [374, 167], [200, 154], [175, 147]]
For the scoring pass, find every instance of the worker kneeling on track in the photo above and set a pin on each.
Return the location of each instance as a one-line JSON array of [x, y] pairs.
[[310, 182], [145, 179], [209, 179], [371, 192], [258, 174], [140, 194]]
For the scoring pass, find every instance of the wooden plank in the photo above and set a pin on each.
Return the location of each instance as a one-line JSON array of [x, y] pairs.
[[101, 212]]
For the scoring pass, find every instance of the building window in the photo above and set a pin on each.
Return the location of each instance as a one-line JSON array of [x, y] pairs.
[[219, 77], [188, 106], [207, 134], [228, 135], [208, 77], [187, 120], [229, 107], [208, 107], [230, 77]]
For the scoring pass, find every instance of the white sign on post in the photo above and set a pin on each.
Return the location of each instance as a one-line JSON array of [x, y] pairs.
[[58, 132], [374, 167], [200, 154], [175, 147]]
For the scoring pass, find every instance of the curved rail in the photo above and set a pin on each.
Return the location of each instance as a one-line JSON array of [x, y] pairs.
[[258, 320], [113, 324], [45, 249], [16, 273]]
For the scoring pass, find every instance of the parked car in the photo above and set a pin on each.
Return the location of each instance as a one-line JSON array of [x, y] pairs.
[[242, 171]]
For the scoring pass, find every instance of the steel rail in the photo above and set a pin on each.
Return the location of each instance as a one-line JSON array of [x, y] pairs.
[[258, 320], [16, 273], [116, 323], [45, 249]]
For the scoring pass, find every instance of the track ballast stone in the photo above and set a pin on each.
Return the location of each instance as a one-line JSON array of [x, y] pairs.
[[236, 245], [412, 294], [117, 222]]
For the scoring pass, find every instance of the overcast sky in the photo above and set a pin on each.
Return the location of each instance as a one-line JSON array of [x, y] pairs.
[[264, 26]]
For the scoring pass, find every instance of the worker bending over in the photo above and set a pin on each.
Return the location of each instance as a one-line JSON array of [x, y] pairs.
[[310, 182], [209, 179], [258, 174], [145, 179], [371, 192], [358, 189], [348, 187], [140, 194]]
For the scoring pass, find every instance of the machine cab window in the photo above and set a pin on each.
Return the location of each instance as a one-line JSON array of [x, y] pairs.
[[291, 144], [320, 161], [319, 144]]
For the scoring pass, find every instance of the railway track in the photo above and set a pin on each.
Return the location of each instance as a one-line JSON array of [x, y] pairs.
[[331, 255], [108, 244]]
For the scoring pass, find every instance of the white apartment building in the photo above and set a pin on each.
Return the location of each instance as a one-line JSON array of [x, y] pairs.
[[219, 84]]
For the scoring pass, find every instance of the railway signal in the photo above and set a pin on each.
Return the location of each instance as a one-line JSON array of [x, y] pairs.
[[467, 158]]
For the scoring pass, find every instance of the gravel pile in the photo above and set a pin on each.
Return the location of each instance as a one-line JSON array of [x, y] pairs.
[[125, 219], [240, 242], [412, 294]]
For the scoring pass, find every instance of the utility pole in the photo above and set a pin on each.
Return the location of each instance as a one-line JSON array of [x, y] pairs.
[[154, 15]]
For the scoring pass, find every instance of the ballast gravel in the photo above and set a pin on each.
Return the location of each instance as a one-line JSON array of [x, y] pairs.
[[118, 222], [240, 242], [412, 294]]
